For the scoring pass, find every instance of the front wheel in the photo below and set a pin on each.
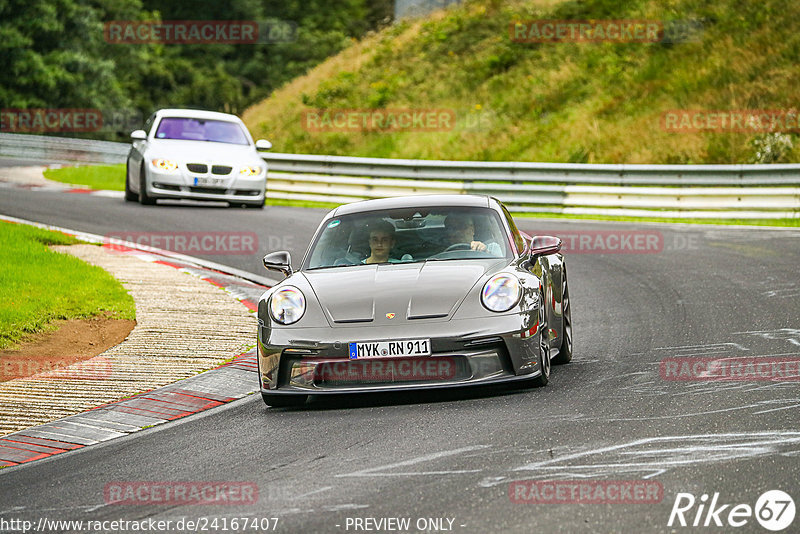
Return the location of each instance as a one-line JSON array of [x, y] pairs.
[[283, 401], [144, 198], [565, 351], [544, 347], [130, 196]]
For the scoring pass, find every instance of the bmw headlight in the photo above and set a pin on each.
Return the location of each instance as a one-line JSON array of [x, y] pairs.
[[287, 305], [164, 164], [501, 293], [250, 171]]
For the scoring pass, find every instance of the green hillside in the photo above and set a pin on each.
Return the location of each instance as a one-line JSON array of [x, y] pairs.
[[557, 101]]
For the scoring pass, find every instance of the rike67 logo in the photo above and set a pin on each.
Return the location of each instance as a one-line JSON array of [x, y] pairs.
[[774, 510]]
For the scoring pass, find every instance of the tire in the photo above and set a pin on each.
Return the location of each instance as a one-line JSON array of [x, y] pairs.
[[283, 401], [565, 351], [254, 205], [544, 347], [144, 198], [130, 196]]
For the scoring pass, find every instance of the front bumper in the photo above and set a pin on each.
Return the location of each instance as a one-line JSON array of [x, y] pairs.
[[476, 355], [229, 189]]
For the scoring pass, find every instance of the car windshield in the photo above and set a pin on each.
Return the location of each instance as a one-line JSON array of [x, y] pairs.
[[201, 130], [409, 235]]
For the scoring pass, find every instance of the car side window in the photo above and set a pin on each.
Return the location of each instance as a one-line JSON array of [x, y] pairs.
[[519, 242]]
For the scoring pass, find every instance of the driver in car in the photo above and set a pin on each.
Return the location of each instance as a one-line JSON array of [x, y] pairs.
[[460, 230]]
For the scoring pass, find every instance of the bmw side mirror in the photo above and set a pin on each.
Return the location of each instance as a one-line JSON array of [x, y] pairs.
[[263, 144], [139, 135], [280, 261], [542, 245]]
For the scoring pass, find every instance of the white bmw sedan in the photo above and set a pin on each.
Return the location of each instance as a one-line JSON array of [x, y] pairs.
[[200, 155]]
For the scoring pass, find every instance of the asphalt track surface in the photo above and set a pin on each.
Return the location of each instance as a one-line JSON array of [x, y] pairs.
[[607, 416]]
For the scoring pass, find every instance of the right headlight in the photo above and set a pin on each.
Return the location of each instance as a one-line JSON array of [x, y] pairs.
[[501, 293], [287, 305], [253, 170]]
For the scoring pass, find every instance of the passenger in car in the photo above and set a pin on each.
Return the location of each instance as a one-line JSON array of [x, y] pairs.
[[381, 242]]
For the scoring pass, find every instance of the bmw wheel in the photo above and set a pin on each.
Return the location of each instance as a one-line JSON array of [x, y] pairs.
[[144, 198], [130, 196]]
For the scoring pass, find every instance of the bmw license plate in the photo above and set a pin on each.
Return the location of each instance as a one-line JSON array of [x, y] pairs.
[[390, 349], [209, 181]]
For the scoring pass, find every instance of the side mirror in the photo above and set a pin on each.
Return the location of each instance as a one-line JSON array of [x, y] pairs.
[[542, 245], [139, 135], [263, 144], [280, 261]]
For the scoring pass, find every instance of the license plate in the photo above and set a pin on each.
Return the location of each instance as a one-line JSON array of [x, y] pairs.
[[209, 181], [390, 349]]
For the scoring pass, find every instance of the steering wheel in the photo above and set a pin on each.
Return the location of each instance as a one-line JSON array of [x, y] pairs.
[[458, 246]]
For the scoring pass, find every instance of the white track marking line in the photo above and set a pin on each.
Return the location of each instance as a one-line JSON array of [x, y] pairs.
[[414, 461]]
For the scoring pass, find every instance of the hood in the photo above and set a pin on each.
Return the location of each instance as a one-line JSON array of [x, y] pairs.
[[200, 152], [411, 291]]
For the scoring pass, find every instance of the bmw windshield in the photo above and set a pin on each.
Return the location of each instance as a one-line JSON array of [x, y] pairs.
[[409, 235], [189, 129]]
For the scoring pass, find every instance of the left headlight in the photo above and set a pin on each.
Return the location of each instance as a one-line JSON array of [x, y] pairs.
[[287, 305], [254, 170], [501, 293], [165, 164]]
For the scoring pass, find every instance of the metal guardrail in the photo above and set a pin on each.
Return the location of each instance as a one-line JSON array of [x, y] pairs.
[[682, 191], [44, 148]]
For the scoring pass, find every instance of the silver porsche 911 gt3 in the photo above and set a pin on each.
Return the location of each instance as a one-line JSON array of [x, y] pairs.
[[416, 292]]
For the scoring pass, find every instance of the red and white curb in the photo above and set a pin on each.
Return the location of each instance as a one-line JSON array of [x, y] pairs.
[[199, 393], [65, 188]]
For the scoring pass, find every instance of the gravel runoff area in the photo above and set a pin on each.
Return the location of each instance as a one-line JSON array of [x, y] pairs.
[[185, 325], [33, 175]]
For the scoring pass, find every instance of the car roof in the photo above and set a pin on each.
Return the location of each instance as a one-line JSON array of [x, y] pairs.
[[197, 114], [413, 201]]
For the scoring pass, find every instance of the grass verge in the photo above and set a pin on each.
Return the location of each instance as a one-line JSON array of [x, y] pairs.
[[108, 177], [39, 286], [301, 203]]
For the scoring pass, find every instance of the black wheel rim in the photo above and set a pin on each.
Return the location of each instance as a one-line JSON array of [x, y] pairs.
[[544, 341]]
